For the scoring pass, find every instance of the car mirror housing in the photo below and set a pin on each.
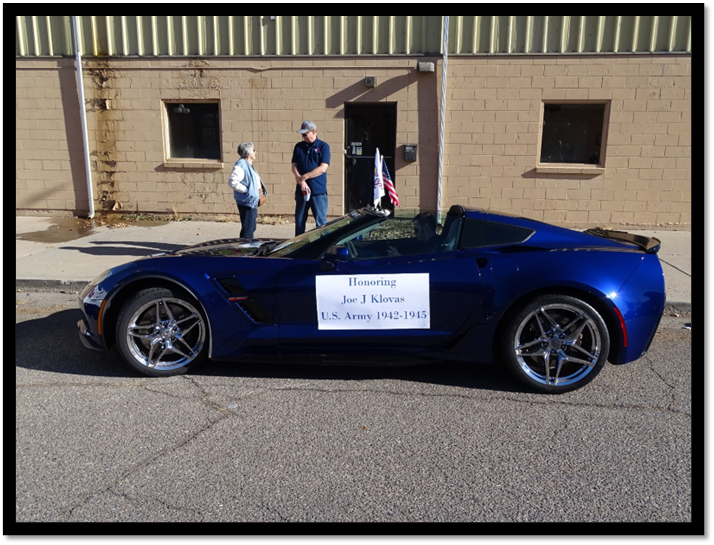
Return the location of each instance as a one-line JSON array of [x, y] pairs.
[[338, 253], [333, 255]]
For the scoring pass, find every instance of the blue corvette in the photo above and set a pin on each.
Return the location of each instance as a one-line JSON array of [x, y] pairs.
[[551, 304]]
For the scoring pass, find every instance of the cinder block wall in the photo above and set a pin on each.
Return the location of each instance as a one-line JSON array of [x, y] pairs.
[[493, 123], [495, 119]]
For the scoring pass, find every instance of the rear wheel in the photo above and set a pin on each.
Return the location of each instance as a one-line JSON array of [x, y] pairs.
[[556, 344], [162, 332]]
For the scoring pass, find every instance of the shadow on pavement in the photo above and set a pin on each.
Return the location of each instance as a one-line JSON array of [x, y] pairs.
[[51, 344]]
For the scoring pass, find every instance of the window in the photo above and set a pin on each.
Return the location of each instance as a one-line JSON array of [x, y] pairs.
[[573, 133], [399, 236], [193, 130], [479, 234]]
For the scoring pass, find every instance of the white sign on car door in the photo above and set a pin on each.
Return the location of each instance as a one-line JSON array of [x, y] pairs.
[[373, 301]]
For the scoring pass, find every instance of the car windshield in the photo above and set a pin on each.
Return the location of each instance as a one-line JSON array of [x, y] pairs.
[[289, 246]]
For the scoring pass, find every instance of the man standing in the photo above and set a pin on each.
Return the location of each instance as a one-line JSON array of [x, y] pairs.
[[311, 157]]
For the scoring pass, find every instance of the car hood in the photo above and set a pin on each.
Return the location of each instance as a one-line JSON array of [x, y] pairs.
[[239, 247]]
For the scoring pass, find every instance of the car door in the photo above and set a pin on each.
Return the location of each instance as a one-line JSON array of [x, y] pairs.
[[444, 286]]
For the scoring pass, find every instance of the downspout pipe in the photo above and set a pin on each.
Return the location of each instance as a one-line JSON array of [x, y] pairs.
[[442, 121], [83, 114]]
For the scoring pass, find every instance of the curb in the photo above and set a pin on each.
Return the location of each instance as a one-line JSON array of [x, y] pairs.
[[59, 286]]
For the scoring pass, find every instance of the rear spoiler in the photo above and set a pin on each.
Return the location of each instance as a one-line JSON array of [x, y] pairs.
[[650, 245]]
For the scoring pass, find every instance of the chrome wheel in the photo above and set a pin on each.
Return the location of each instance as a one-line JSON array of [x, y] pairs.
[[558, 344], [160, 333]]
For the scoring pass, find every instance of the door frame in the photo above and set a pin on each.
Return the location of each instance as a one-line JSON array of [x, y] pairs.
[[384, 138]]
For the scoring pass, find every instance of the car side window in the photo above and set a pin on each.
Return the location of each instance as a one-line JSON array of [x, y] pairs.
[[376, 240], [479, 233], [390, 238]]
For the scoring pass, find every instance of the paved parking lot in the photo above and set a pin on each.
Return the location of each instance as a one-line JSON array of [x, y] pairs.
[[275, 442]]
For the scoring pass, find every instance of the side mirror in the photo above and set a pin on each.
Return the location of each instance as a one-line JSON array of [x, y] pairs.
[[333, 255], [338, 253], [342, 253]]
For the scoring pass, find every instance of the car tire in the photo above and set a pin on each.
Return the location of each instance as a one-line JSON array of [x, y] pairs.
[[556, 344], [162, 332]]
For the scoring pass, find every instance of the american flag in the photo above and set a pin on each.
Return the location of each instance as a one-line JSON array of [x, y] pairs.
[[388, 185]]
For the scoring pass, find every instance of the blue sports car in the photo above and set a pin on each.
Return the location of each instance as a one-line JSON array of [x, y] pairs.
[[551, 304]]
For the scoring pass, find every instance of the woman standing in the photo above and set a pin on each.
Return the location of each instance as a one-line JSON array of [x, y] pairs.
[[247, 187]]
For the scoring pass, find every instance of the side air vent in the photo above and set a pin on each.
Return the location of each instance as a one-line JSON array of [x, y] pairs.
[[232, 287], [255, 312], [239, 296]]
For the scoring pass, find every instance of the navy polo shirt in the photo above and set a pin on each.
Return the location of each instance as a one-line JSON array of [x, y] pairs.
[[308, 157]]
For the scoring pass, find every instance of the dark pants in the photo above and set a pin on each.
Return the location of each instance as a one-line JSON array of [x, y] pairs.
[[248, 217]]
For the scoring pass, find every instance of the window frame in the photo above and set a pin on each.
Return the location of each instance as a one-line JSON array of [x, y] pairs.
[[190, 162], [575, 168]]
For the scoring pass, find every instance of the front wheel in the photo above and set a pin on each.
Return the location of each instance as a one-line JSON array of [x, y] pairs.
[[161, 332], [556, 344]]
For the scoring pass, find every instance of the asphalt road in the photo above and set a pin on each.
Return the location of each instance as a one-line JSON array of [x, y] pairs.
[[95, 441]]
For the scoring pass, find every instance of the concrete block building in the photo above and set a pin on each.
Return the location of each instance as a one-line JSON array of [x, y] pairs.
[[574, 120]]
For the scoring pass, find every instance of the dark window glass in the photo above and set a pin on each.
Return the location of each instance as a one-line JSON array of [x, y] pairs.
[[478, 233], [193, 130], [572, 133]]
